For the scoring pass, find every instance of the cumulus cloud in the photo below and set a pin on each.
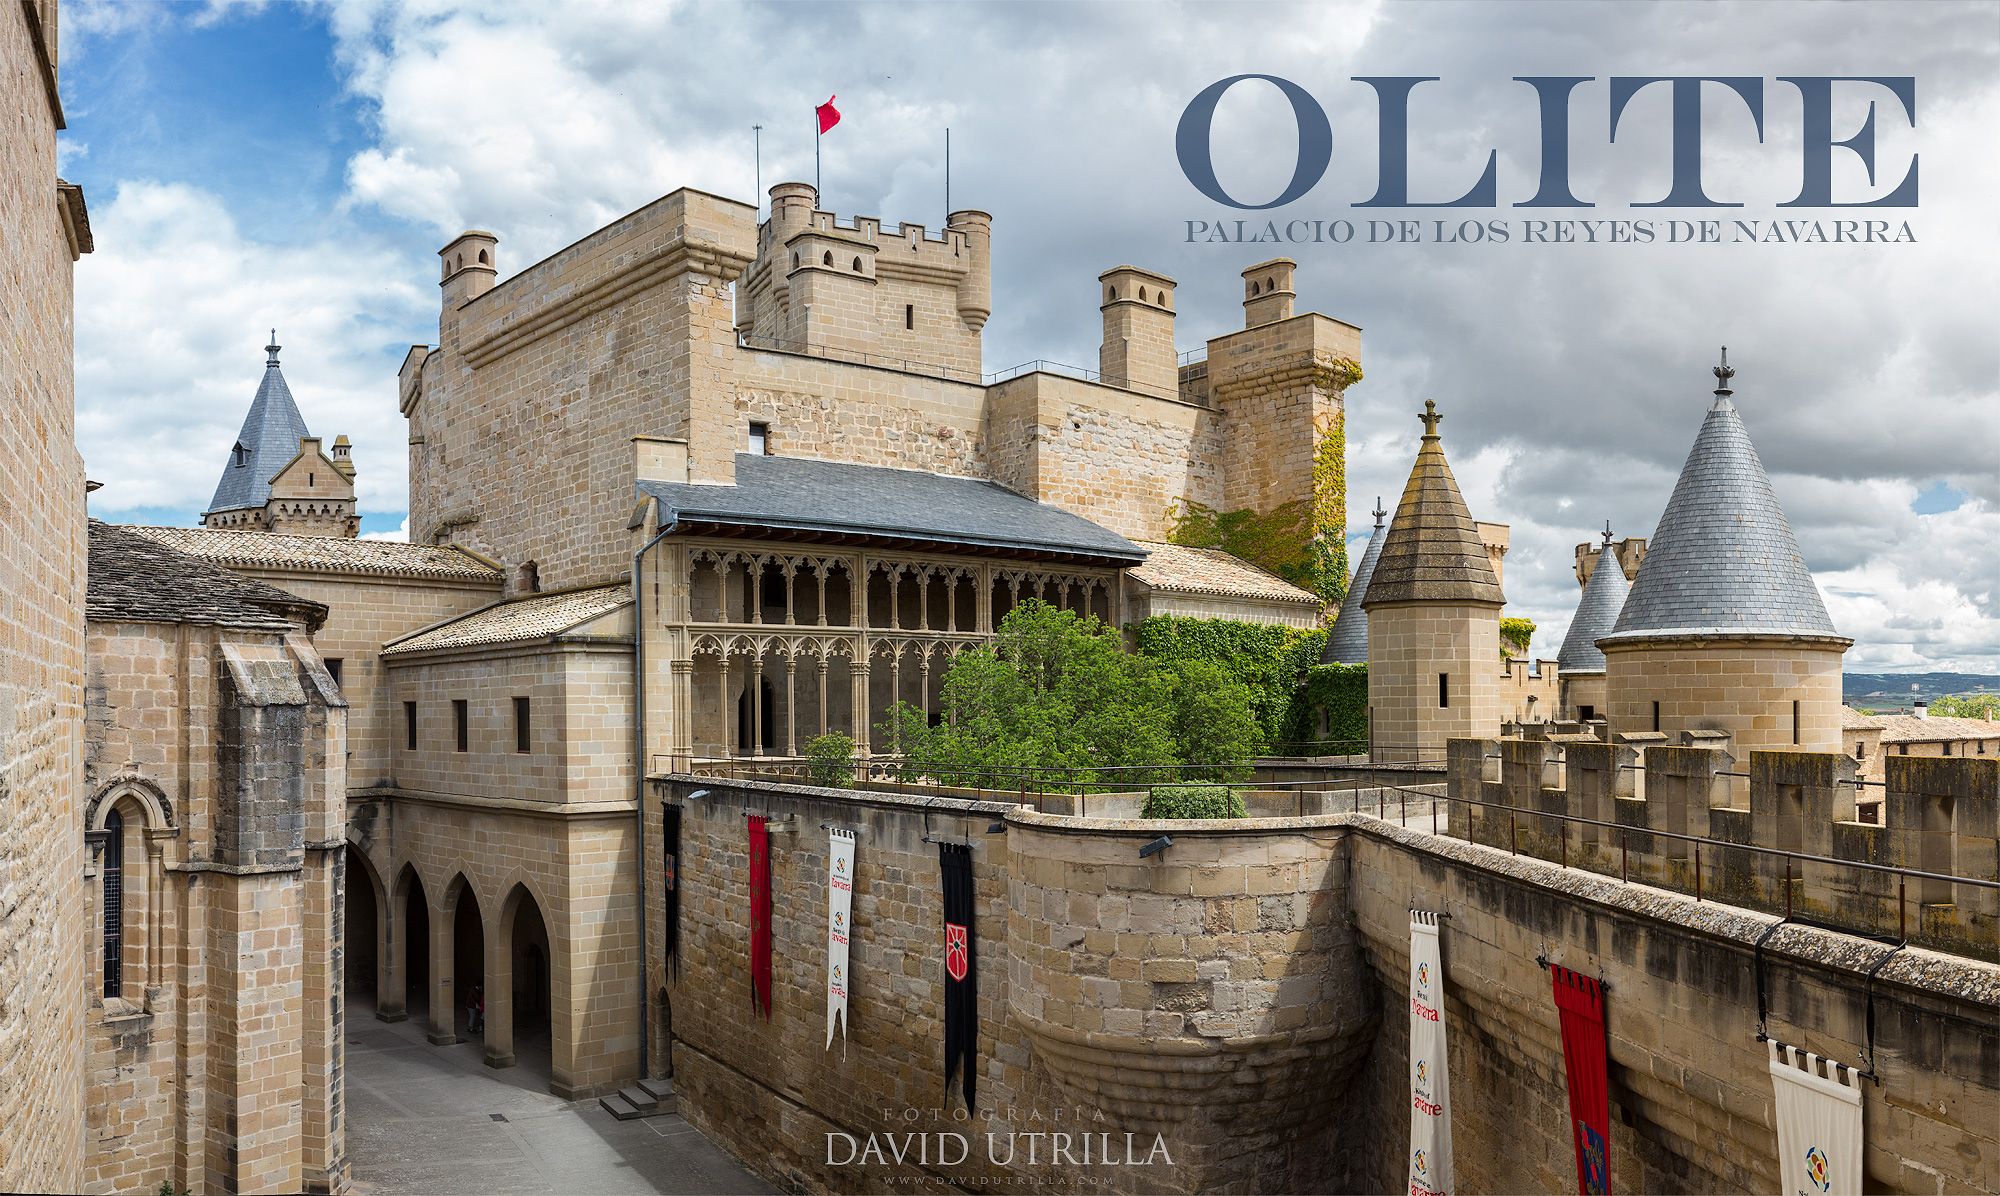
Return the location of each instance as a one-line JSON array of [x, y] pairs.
[[172, 315], [1573, 377]]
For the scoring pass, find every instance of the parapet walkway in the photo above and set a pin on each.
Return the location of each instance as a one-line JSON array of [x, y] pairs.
[[436, 1120]]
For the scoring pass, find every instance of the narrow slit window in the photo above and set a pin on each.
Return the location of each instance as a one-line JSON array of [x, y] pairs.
[[1444, 690], [1795, 721], [333, 666], [113, 872], [458, 721], [910, 315], [410, 725], [521, 724], [1656, 716]]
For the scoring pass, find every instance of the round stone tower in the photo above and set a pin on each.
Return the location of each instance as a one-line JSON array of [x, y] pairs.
[[1433, 604], [1724, 629], [1580, 665]]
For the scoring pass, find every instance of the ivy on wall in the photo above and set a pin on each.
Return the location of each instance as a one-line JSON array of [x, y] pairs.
[[1516, 634], [1303, 540], [1270, 659], [1333, 696]]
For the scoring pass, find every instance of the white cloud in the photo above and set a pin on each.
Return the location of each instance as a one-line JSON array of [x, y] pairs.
[[1573, 378], [172, 313]]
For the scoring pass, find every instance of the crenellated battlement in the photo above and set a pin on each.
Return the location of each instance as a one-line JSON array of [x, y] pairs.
[[1685, 815]]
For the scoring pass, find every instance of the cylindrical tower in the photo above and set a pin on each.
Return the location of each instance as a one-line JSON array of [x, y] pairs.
[[1724, 629], [1580, 665], [1433, 607], [975, 291]]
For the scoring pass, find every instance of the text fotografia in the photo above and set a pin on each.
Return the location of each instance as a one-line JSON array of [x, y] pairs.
[[1025, 1149], [1230, 231], [1831, 117]]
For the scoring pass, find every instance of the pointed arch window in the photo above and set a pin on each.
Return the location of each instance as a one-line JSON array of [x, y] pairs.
[[112, 870]]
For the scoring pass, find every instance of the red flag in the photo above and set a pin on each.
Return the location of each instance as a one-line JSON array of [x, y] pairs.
[[760, 916], [1580, 1005], [829, 115]]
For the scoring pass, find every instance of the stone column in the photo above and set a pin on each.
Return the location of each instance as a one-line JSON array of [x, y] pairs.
[[683, 729], [498, 1036], [822, 692], [858, 683], [757, 703], [791, 705], [444, 1000], [391, 986]]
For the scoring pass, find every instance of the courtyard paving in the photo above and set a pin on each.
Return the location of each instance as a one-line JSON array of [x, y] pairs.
[[426, 1119]]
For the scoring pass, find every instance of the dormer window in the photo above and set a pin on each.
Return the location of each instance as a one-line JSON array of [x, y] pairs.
[[760, 438], [239, 456]]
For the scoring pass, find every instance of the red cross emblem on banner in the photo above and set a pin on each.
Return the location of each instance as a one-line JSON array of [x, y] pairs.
[[954, 950]]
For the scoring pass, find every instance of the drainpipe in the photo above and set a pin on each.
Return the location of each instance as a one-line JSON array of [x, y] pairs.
[[639, 751]]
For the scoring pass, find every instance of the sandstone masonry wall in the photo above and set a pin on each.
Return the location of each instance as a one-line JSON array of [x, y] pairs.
[[41, 634]]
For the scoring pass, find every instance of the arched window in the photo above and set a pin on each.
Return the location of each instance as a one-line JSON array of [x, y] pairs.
[[1270, 285], [482, 258], [1110, 294], [826, 259], [458, 262], [113, 872], [857, 265], [795, 261], [1142, 294], [1253, 290]]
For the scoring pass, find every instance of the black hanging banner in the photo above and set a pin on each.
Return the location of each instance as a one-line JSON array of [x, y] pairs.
[[961, 976], [671, 862]]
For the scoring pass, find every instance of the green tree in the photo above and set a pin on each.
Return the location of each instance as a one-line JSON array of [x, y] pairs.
[[1967, 706], [1057, 698]]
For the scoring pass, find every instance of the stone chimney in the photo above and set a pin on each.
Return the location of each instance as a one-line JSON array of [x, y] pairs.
[[1138, 349], [343, 457], [471, 263], [1268, 293], [1922, 709]]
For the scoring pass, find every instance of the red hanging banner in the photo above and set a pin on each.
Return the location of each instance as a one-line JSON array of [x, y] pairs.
[[760, 915], [1580, 1004]]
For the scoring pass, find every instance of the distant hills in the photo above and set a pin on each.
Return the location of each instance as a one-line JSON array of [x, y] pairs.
[[1880, 690]]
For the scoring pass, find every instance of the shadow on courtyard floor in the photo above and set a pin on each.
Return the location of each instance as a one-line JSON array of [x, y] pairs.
[[427, 1119]]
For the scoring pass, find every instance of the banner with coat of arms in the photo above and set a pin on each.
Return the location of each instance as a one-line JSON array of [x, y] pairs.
[[1580, 1009], [840, 910], [1819, 1123], [1430, 1087]]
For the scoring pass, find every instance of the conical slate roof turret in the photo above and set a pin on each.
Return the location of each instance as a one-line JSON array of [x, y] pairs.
[[1432, 552], [1347, 642], [1596, 613], [267, 442], [1723, 560]]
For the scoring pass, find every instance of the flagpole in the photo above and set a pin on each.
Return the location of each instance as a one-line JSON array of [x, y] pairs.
[[816, 137], [757, 140], [947, 174]]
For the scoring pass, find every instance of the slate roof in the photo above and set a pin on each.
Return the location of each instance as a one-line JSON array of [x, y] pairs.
[[330, 554], [1347, 640], [1180, 569], [270, 433], [794, 496], [1432, 551], [135, 579], [1723, 559], [1596, 614], [530, 618]]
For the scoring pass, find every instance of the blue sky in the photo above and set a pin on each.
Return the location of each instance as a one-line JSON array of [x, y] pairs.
[[251, 164]]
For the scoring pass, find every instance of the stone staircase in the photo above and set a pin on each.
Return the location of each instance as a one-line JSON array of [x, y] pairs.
[[647, 1098]]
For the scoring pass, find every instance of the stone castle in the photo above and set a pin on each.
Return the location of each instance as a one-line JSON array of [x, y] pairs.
[[707, 484]]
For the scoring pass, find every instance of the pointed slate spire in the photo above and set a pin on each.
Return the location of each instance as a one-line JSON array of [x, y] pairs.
[[267, 442], [1432, 552], [1723, 559], [1596, 613], [1347, 642]]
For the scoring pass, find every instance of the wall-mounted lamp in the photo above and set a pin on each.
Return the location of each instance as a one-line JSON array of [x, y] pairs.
[[996, 827], [1156, 846]]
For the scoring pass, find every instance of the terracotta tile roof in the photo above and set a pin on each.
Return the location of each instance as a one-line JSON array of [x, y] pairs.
[[1180, 569], [520, 619], [136, 579], [1853, 720], [1908, 728], [268, 550]]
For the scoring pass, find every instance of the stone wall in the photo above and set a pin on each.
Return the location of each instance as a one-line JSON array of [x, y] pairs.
[[365, 611], [218, 1064], [580, 745], [41, 633], [1408, 647], [1241, 993], [1782, 693]]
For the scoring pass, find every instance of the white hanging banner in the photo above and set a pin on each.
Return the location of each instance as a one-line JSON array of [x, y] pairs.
[[1819, 1123], [1430, 1087], [840, 911]]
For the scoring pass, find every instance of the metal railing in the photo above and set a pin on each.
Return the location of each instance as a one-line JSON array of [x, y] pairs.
[[1696, 843]]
